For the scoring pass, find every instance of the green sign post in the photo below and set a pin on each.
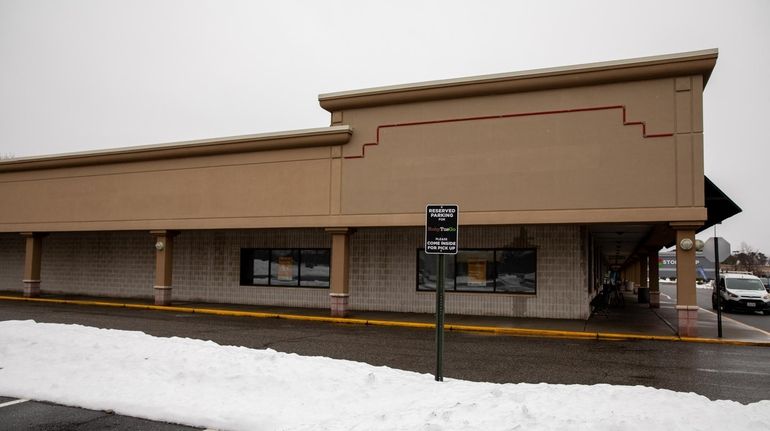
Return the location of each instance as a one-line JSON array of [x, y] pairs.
[[717, 250], [440, 239]]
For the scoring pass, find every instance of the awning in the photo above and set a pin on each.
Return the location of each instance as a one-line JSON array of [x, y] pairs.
[[719, 206]]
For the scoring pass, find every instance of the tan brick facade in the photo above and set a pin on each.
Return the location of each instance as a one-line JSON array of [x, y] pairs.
[[207, 266], [120, 264], [11, 261], [384, 267], [382, 276]]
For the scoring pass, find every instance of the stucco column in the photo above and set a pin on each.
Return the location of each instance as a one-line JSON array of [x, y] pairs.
[[654, 271], [164, 262], [634, 276], [630, 272], [339, 294], [686, 294], [643, 269], [34, 250]]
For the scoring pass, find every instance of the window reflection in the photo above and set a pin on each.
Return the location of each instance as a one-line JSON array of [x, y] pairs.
[[515, 271], [261, 263], [487, 270], [285, 267], [314, 270], [427, 273]]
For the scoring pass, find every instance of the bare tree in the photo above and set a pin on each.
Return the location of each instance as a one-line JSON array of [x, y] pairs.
[[749, 259]]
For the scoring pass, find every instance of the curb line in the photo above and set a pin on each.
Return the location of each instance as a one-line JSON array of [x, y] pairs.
[[517, 332]]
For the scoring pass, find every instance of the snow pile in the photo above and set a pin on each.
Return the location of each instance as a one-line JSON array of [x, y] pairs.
[[234, 388]]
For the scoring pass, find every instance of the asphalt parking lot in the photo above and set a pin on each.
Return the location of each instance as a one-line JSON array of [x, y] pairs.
[[755, 320], [672, 365], [20, 414], [740, 373]]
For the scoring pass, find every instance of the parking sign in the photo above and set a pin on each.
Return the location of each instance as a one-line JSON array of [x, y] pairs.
[[441, 229]]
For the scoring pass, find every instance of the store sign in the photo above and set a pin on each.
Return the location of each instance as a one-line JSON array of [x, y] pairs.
[[441, 229]]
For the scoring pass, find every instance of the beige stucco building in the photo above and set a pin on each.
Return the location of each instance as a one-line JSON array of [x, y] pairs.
[[560, 174]]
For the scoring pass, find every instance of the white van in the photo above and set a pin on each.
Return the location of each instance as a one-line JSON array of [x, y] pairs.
[[741, 292]]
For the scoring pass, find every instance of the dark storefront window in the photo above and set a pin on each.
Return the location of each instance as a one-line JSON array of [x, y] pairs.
[[290, 267], [426, 272], [481, 270], [261, 267], [515, 271], [314, 268]]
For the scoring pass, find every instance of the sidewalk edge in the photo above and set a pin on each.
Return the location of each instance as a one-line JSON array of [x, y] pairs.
[[519, 332]]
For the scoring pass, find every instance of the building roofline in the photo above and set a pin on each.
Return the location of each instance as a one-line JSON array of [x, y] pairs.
[[317, 137], [686, 63]]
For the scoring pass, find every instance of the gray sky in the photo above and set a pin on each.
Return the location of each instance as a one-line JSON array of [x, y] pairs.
[[80, 75]]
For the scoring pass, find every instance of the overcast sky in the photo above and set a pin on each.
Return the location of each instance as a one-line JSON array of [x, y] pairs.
[[79, 75]]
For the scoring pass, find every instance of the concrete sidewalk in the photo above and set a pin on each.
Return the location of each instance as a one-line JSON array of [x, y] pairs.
[[632, 321]]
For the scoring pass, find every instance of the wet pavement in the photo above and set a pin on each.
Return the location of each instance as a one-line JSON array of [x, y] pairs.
[[740, 373], [632, 318], [717, 371], [33, 415], [756, 320]]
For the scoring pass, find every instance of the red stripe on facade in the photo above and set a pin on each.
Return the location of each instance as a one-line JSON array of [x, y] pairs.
[[520, 114]]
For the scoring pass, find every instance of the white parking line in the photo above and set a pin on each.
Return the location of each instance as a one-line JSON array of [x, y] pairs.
[[10, 403], [709, 370], [739, 323]]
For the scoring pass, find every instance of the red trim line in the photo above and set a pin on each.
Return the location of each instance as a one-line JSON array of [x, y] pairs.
[[522, 114]]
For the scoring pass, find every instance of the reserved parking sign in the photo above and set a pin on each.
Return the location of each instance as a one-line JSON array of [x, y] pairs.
[[441, 229]]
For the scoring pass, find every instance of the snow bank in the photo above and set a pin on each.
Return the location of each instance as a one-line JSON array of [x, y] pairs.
[[234, 388]]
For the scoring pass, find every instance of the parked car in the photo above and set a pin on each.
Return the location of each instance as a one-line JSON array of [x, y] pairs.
[[744, 292], [766, 282]]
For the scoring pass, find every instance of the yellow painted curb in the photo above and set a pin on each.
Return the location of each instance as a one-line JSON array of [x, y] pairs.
[[498, 330]]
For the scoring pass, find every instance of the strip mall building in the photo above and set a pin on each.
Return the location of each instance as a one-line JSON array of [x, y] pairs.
[[559, 174]]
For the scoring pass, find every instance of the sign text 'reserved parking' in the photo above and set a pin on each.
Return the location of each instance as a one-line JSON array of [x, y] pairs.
[[441, 229]]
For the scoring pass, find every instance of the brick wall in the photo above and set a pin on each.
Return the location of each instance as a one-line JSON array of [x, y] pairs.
[[118, 264], [207, 266], [384, 267], [11, 261], [122, 264]]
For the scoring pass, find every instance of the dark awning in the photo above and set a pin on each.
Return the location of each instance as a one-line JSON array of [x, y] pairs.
[[719, 206]]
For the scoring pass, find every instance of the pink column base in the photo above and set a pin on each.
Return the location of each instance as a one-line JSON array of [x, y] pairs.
[[31, 288], [162, 295], [339, 304], [688, 320], [654, 299]]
